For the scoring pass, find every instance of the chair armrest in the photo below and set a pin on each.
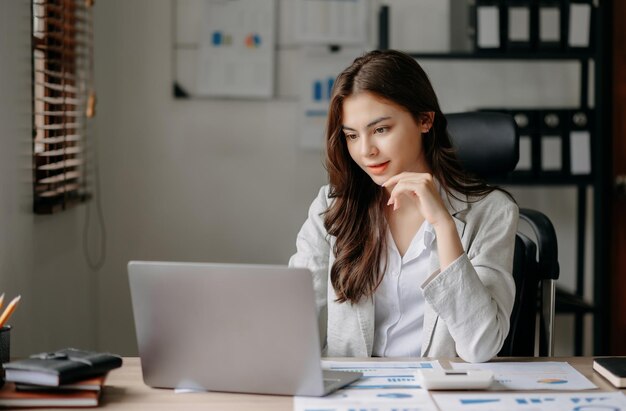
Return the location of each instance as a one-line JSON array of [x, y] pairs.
[[547, 249]]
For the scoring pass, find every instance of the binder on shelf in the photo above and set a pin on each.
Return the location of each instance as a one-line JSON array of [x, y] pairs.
[[525, 162], [553, 142], [580, 126], [488, 25], [551, 27], [519, 24], [527, 127], [580, 24], [551, 132], [462, 26]]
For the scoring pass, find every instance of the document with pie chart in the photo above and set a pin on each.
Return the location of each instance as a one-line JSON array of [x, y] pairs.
[[550, 375]]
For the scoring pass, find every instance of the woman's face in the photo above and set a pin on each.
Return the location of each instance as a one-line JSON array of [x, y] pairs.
[[383, 138]]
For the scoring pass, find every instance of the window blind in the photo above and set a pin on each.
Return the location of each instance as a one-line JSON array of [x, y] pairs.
[[63, 101]]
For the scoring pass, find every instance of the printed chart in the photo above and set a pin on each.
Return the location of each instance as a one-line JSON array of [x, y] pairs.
[[605, 401], [385, 386], [532, 376]]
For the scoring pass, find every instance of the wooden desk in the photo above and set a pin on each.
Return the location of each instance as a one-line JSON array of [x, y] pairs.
[[125, 390]]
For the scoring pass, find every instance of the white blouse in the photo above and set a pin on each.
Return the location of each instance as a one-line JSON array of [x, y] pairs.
[[398, 301], [471, 299]]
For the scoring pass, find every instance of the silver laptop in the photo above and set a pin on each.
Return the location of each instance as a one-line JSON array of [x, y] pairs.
[[226, 327]]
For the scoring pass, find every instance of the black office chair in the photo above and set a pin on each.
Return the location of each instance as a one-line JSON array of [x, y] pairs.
[[488, 146]]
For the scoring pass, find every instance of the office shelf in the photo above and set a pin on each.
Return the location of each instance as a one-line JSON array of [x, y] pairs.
[[598, 179], [545, 180], [509, 55]]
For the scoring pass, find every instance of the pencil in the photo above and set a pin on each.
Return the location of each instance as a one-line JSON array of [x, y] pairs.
[[1, 300], [9, 310]]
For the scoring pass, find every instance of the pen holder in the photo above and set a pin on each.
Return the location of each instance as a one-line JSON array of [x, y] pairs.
[[5, 349], [5, 343]]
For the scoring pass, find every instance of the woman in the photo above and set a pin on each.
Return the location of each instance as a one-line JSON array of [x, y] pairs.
[[410, 256]]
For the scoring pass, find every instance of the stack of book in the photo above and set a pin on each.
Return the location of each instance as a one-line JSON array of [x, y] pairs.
[[613, 369], [65, 378]]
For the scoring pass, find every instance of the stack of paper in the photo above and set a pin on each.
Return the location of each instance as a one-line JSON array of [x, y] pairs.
[[394, 386], [605, 401], [549, 375], [384, 386]]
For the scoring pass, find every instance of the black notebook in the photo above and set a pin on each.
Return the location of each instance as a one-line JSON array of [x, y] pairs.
[[613, 369], [61, 367]]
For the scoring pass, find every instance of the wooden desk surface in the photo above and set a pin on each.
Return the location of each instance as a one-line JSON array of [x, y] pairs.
[[125, 390]]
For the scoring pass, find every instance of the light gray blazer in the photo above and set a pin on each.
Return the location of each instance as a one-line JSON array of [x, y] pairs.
[[468, 305]]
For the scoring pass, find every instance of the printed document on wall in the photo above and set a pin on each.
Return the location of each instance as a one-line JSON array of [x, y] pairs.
[[319, 68], [342, 22], [236, 49]]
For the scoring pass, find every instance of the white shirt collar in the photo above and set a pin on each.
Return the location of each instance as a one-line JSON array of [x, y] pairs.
[[423, 239]]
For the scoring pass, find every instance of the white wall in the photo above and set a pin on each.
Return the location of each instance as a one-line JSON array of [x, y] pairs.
[[224, 180], [186, 180], [40, 256], [196, 180]]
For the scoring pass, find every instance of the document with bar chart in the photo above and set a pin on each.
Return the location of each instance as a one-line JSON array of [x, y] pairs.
[[582, 401], [384, 386], [235, 56], [319, 67]]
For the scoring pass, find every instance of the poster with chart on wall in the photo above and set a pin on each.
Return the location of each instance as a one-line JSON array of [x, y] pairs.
[[319, 68], [341, 22], [236, 49]]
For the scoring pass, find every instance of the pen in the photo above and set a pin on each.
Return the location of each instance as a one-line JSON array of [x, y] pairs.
[[9, 310]]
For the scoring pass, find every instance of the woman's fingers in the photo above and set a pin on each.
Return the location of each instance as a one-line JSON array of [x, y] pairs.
[[413, 188], [405, 175], [419, 190]]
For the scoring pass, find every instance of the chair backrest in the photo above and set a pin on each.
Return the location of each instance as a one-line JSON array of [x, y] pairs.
[[487, 144]]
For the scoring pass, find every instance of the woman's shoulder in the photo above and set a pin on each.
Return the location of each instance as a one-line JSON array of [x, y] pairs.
[[496, 200], [323, 199], [499, 196], [324, 194]]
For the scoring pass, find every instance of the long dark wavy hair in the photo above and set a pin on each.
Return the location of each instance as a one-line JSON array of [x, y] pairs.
[[356, 216]]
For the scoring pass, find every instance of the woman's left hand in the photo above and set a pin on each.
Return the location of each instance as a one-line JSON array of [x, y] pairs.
[[420, 190]]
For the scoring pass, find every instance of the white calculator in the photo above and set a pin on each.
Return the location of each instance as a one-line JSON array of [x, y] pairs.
[[455, 379]]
